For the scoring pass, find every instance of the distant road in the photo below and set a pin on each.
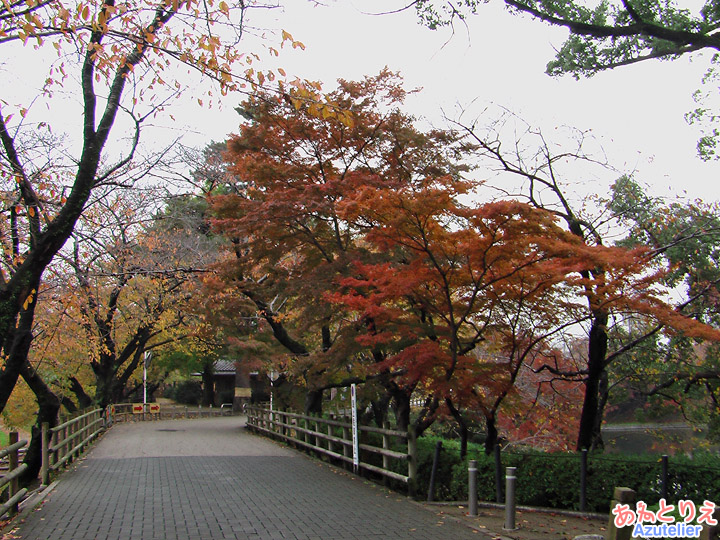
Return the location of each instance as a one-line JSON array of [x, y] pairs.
[[614, 428]]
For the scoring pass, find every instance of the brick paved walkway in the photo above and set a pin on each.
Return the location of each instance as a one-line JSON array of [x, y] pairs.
[[209, 479]]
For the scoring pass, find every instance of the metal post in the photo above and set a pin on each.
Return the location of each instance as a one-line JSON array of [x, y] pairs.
[[510, 499], [498, 475], [472, 488], [145, 360], [433, 472], [583, 479], [664, 483]]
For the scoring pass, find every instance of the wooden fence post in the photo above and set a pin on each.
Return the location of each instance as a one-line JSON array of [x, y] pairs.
[[347, 448], [711, 532], [54, 437], [622, 495], [386, 459], [412, 462], [45, 467], [64, 434], [12, 465]]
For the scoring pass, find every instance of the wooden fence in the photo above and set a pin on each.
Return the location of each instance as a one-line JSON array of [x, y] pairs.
[[131, 412], [333, 438], [9, 480], [65, 442]]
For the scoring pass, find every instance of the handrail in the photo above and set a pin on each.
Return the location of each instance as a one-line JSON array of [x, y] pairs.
[[64, 442], [296, 428], [12, 448], [15, 495], [123, 412]]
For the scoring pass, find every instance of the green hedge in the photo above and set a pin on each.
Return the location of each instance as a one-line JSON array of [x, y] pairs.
[[553, 480], [185, 392]]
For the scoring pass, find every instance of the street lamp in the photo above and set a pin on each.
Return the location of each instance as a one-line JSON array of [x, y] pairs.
[[146, 364]]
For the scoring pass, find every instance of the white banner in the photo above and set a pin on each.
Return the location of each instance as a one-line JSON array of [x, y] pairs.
[[355, 441]]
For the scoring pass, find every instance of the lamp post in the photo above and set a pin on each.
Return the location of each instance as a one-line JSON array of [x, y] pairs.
[[146, 363]]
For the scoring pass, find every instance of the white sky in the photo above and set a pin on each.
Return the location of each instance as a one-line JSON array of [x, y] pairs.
[[637, 112]]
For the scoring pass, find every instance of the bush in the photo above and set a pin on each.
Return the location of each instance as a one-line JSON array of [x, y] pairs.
[[226, 396], [553, 479], [188, 392]]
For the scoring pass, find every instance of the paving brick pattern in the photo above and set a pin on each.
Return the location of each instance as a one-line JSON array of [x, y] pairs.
[[156, 491]]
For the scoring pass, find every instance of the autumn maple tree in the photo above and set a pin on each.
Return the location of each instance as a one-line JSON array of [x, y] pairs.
[[294, 162], [616, 287], [467, 295]]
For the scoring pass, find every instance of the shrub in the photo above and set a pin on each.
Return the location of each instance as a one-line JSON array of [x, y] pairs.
[[188, 392], [553, 479]]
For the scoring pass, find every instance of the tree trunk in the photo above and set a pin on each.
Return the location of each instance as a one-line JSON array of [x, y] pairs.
[[69, 404], [401, 408], [492, 434], [105, 387], [313, 402], [462, 424], [604, 394], [589, 436], [16, 345], [208, 380], [84, 401], [48, 407], [380, 410]]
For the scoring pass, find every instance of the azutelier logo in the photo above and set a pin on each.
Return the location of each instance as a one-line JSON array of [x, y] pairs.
[[664, 522]]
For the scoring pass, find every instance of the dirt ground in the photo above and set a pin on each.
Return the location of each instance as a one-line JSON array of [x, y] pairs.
[[531, 524]]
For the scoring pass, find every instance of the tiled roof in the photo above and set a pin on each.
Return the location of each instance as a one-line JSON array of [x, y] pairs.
[[224, 366]]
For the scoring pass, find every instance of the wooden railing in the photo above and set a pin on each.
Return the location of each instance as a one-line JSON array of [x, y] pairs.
[[9, 480], [128, 412], [333, 438], [65, 442]]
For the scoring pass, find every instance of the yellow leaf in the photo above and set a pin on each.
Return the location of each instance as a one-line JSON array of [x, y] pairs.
[[281, 71], [29, 299], [31, 211]]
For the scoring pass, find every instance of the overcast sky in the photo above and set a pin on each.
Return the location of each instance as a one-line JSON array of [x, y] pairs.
[[637, 112], [498, 60]]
